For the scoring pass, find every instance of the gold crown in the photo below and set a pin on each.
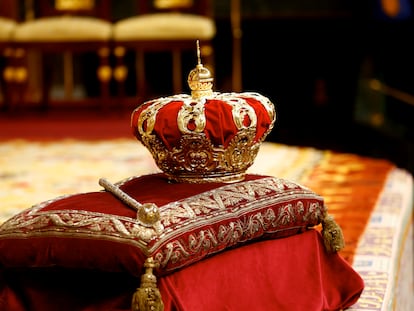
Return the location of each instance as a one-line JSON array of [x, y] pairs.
[[205, 137]]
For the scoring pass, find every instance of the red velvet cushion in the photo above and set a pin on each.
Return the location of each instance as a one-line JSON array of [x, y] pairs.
[[288, 274], [95, 230]]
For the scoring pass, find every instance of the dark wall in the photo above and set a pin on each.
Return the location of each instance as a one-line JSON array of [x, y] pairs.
[[314, 60]]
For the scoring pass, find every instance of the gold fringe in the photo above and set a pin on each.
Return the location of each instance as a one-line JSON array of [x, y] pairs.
[[332, 235], [148, 297]]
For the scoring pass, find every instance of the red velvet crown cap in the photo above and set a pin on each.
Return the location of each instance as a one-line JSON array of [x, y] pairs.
[[206, 136], [219, 109]]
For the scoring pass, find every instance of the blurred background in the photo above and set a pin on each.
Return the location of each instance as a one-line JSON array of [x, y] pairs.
[[340, 72]]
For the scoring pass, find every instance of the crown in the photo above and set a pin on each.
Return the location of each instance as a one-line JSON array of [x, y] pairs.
[[205, 137]]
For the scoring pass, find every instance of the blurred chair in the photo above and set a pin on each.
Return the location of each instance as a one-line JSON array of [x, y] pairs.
[[8, 21], [171, 26], [236, 31], [65, 28]]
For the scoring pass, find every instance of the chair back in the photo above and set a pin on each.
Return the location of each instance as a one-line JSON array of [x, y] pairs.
[[94, 8], [9, 9], [201, 7]]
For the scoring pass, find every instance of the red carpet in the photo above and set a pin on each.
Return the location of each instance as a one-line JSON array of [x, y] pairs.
[[63, 124]]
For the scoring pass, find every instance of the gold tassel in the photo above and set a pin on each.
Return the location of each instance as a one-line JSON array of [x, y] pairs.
[[148, 297], [332, 235]]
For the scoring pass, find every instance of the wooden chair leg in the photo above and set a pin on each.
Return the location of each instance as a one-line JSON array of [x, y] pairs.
[[7, 78], [46, 68], [104, 75], [120, 73], [68, 82], [235, 18], [19, 78], [140, 70], [176, 72]]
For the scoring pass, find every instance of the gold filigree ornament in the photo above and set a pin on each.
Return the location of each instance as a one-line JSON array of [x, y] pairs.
[[205, 137], [148, 214]]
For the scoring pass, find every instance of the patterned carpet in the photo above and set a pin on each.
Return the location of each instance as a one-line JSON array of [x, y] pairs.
[[32, 172]]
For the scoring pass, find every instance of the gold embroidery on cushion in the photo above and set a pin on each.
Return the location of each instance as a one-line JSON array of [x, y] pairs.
[[180, 252], [194, 227], [250, 194], [75, 223], [214, 206]]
